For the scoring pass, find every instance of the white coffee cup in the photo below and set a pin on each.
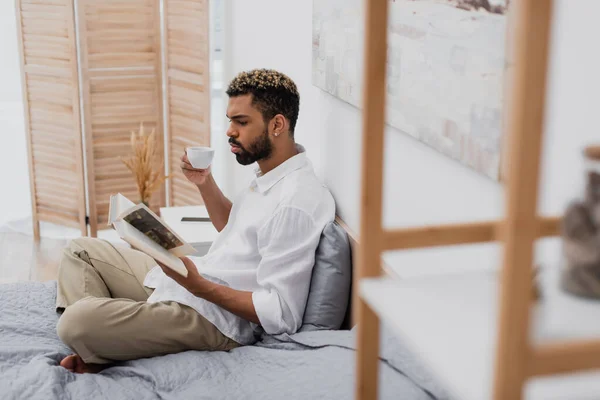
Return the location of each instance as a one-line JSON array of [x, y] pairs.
[[200, 157]]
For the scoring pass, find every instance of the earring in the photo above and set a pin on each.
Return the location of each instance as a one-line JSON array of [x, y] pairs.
[[276, 134]]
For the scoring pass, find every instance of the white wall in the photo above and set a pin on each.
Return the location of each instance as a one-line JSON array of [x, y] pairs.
[[14, 176], [10, 90], [262, 35], [422, 186]]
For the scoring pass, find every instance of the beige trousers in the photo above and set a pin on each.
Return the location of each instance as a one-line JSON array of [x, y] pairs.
[[106, 317]]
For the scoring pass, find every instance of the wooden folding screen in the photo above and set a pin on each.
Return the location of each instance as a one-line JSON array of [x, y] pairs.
[[120, 55], [114, 49], [188, 89], [46, 31]]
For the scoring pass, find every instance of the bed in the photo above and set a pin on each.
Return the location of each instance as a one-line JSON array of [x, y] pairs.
[[307, 365]]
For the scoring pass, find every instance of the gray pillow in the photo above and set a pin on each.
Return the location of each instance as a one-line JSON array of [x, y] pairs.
[[329, 292]]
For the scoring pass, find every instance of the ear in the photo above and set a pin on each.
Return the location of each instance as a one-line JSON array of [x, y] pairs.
[[279, 124]]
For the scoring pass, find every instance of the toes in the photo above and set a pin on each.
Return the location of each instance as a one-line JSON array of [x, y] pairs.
[[69, 362]]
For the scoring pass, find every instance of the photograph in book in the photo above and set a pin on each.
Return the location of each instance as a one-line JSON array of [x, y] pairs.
[[144, 222], [445, 71]]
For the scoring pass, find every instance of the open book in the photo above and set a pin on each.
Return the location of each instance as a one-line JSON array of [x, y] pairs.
[[145, 231]]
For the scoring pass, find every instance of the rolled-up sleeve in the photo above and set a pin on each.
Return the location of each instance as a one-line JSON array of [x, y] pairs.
[[287, 245]]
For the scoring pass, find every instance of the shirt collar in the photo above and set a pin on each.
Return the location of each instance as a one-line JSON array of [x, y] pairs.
[[268, 180]]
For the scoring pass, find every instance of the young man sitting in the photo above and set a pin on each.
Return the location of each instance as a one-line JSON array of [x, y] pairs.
[[120, 305]]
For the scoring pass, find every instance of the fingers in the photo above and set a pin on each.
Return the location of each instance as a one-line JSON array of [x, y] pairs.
[[189, 264], [171, 274], [188, 167], [165, 269], [185, 162]]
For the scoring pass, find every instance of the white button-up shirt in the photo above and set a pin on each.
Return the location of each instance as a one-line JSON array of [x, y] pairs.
[[267, 247]]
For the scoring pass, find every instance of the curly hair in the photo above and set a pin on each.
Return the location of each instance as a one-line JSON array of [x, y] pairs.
[[272, 93]]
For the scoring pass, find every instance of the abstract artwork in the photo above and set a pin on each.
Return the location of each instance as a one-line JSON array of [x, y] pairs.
[[445, 72]]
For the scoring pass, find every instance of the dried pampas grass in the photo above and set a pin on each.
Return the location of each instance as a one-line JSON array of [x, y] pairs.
[[142, 163]]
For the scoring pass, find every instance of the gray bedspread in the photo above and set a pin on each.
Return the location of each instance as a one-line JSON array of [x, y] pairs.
[[310, 365]]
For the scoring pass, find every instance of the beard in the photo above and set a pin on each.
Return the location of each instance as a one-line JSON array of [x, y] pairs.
[[260, 149]]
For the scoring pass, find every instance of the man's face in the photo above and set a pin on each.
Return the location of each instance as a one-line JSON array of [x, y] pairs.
[[248, 133]]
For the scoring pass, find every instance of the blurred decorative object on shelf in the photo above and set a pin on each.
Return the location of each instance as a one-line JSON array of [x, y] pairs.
[[148, 174], [581, 234]]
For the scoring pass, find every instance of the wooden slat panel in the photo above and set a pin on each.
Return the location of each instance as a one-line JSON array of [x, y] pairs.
[[120, 56], [63, 119], [118, 60], [114, 35], [178, 44], [47, 154], [41, 95], [123, 85], [51, 64], [50, 39], [55, 217], [64, 187], [51, 98], [43, 81], [189, 111], [97, 25], [46, 70], [187, 78], [54, 186], [66, 144], [121, 46], [122, 11], [57, 43], [187, 137], [46, 29], [186, 197], [46, 2], [186, 63], [46, 6], [49, 106], [48, 131], [52, 27], [56, 200], [188, 99], [57, 15], [105, 18]]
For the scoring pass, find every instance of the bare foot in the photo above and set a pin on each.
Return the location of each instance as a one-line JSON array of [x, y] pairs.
[[74, 363]]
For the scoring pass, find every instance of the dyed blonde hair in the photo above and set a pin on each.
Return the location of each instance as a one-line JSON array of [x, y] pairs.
[[272, 93]]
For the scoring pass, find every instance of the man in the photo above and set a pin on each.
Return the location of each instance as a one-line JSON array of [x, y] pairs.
[[119, 305]]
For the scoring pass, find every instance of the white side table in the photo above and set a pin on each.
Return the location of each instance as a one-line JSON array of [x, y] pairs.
[[199, 234]]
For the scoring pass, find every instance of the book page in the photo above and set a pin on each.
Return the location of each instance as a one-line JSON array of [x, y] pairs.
[[149, 224], [118, 206], [148, 246]]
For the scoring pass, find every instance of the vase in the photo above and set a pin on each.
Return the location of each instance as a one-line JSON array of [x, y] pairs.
[[580, 235]]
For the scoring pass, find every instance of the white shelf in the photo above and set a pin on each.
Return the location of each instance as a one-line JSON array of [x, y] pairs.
[[450, 322]]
